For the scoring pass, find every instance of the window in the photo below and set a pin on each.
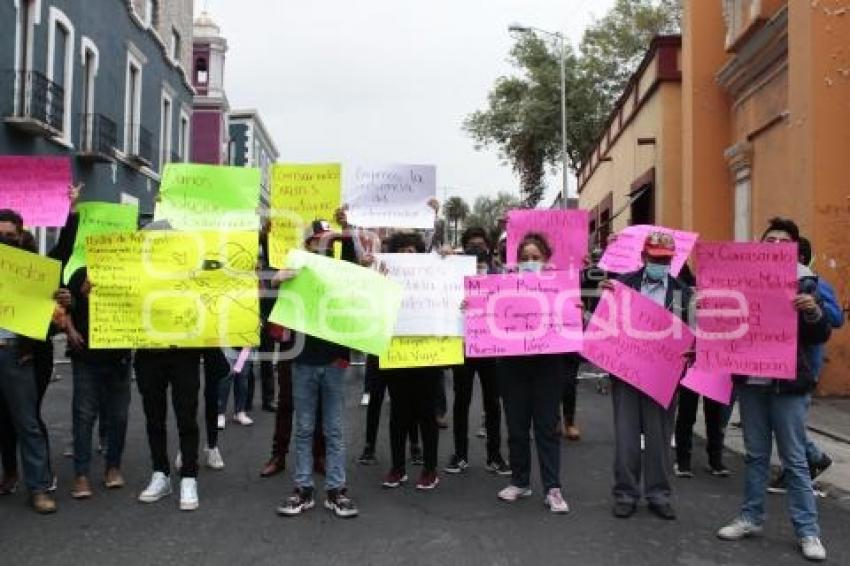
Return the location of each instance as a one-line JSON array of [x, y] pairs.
[[90, 64], [151, 15], [60, 72], [132, 105], [29, 15], [201, 71], [183, 137], [176, 46], [165, 131]]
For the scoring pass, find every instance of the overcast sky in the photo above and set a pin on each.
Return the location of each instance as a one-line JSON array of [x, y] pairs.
[[383, 80]]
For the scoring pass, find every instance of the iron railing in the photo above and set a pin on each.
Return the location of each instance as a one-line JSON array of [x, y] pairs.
[[140, 143], [98, 134], [39, 99]]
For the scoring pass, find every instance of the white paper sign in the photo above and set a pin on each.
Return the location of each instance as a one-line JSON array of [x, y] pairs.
[[390, 196], [433, 292]]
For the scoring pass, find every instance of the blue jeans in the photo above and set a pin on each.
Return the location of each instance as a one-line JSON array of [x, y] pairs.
[[813, 452], [309, 385], [239, 382], [17, 386], [765, 415], [106, 385]]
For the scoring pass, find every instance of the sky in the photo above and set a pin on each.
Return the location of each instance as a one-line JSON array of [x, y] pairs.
[[382, 81]]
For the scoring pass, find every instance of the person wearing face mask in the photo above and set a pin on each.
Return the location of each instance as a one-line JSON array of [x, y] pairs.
[[531, 388], [476, 243], [635, 412], [776, 410]]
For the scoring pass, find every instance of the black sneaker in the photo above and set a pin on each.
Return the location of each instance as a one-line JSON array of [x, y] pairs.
[[683, 471], [456, 465], [301, 500], [718, 470], [368, 457], [817, 469], [777, 485], [416, 457], [338, 502], [498, 466]]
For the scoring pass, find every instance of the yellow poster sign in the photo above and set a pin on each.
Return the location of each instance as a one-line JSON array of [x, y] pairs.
[[27, 284], [422, 351], [300, 194], [173, 289]]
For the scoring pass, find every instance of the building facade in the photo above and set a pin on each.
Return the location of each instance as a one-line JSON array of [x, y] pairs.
[[98, 82], [250, 145], [210, 129]]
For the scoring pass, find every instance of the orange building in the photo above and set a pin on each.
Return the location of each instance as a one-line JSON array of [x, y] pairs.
[[764, 118]]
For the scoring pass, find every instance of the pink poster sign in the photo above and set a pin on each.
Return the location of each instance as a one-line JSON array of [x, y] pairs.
[[638, 342], [565, 232], [37, 188], [522, 314], [715, 386], [623, 255], [746, 322]]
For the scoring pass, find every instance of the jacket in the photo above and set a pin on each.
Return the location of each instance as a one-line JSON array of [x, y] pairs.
[[679, 295]]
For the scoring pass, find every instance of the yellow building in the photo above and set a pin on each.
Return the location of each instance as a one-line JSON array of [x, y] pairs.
[[764, 124]]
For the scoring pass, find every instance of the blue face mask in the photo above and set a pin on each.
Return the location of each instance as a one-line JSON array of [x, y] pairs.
[[530, 266], [657, 271]]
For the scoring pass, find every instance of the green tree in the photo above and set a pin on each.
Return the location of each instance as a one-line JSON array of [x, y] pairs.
[[455, 210], [486, 212], [523, 115]]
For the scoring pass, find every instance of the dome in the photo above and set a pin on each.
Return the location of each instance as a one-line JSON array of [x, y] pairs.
[[204, 26]]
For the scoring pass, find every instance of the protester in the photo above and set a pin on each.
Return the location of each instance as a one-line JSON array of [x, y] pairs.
[[819, 461], [476, 243], [215, 371], [776, 410], [636, 413], [531, 389], [318, 375], [237, 380], [413, 397], [20, 395]]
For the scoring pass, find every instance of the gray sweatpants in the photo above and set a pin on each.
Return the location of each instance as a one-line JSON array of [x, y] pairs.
[[635, 412]]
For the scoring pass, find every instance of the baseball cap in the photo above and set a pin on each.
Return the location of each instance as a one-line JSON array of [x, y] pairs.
[[317, 229], [659, 244]]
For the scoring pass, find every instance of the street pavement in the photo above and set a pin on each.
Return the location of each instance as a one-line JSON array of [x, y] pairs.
[[461, 522]]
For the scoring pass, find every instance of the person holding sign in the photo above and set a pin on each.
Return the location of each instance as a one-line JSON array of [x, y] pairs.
[[19, 393], [531, 388], [776, 409], [637, 413]]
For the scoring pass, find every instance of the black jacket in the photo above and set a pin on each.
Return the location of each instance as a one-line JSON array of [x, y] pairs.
[[679, 295]]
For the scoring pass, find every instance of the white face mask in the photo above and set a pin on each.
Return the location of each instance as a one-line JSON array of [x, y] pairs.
[[530, 266]]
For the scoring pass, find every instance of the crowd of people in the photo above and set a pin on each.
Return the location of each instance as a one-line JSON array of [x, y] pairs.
[[535, 394]]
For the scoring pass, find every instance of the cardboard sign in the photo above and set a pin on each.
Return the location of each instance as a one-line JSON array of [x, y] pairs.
[[623, 255], [566, 232], [37, 188], [391, 196]]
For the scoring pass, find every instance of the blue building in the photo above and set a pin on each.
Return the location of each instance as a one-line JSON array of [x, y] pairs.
[[102, 81], [251, 145]]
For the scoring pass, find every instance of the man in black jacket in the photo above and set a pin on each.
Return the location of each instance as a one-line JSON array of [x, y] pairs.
[[636, 413]]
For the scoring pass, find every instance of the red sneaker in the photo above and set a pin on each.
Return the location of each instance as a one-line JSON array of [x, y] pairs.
[[394, 479], [428, 480]]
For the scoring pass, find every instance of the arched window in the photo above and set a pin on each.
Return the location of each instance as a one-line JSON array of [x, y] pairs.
[[201, 71]]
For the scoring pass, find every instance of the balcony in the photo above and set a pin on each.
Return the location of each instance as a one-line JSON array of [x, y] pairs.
[[98, 136], [140, 140], [38, 106]]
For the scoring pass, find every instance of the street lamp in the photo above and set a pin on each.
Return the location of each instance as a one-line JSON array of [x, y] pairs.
[[562, 44]]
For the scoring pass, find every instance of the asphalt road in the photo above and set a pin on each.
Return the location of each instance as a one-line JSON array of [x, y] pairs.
[[461, 522]]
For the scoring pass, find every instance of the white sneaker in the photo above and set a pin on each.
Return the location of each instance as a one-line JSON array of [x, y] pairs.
[[243, 418], [813, 549], [512, 493], [555, 501], [159, 487], [738, 529], [222, 422], [178, 461], [364, 400], [214, 459], [188, 494]]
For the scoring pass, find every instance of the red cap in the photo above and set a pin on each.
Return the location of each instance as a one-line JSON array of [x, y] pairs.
[[659, 244]]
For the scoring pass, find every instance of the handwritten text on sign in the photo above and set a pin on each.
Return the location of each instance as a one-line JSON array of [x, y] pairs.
[[565, 232], [300, 194], [209, 197], [182, 289], [433, 292], [638, 342], [746, 319], [99, 218], [422, 351], [623, 255], [27, 284], [523, 314], [392, 196], [36, 188]]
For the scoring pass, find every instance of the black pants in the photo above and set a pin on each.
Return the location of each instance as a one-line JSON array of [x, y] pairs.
[[531, 388], [685, 420], [464, 380], [155, 371], [42, 371], [413, 395], [266, 366], [376, 386], [568, 400], [216, 368]]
